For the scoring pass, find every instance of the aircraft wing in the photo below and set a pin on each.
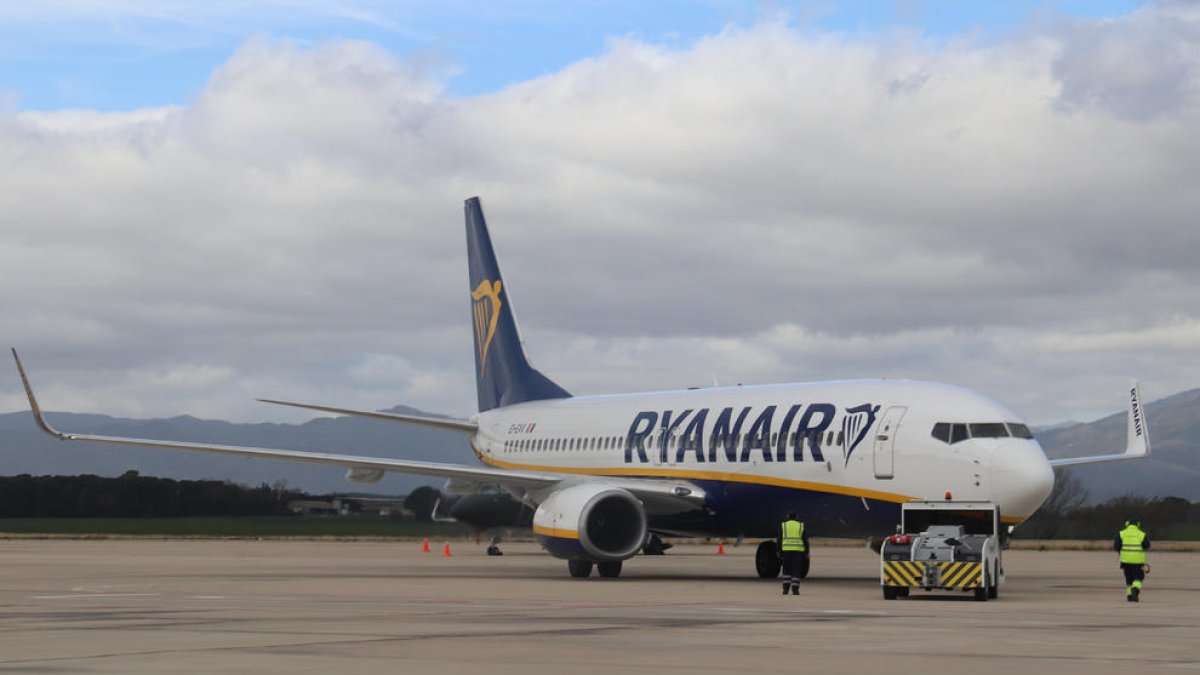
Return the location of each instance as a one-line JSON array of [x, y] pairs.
[[1137, 436], [659, 494]]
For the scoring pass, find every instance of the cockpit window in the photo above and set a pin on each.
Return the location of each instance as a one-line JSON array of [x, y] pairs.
[[1019, 430], [941, 431], [954, 432], [989, 430], [958, 432]]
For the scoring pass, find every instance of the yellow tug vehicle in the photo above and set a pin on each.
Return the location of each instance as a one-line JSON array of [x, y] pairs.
[[947, 545]]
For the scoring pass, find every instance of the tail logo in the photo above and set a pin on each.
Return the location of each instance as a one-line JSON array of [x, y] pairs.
[[485, 303]]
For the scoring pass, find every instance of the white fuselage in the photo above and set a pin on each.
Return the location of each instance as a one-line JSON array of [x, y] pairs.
[[848, 453]]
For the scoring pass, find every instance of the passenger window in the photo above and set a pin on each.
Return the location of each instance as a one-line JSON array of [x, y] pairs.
[[989, 430], [1019, 430], [841, 438], [958, 432], [941, 431]]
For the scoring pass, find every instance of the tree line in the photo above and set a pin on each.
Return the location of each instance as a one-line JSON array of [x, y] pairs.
[[1068, 515], [135, 496], [1065, 515]]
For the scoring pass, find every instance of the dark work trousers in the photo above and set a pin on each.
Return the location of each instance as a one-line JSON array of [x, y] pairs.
[[791, 567], [1134, 576]]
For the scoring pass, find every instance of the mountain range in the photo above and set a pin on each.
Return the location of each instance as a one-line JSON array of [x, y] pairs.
[[1172, 470], [26, 449]]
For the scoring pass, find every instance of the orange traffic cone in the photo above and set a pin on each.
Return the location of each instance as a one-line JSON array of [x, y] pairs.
[[720, 548], [425, 545], [446, 551]]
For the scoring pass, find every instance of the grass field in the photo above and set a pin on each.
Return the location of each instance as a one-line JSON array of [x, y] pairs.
[[253, 526]]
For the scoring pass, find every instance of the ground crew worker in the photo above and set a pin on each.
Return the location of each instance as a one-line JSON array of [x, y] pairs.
[[793, 544], [1132, 543]]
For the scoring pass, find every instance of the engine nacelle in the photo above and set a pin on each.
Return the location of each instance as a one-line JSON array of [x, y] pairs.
[[591, 522], [360, 475]]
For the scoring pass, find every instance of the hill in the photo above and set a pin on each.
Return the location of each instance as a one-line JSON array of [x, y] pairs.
[[1173, 469], [26, 449]]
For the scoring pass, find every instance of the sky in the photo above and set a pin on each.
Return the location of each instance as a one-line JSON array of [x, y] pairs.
[[205, 203]]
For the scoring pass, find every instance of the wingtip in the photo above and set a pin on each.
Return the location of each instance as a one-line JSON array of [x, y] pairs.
[[33, 403]]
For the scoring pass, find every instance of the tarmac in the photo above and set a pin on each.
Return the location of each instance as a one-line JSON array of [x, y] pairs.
[[192, 606]]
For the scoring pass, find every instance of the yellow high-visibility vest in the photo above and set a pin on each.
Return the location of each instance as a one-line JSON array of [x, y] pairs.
[[792, 538], [1132, 552]]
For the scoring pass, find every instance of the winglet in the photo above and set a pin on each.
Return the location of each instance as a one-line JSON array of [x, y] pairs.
[[33, 404], [1137, 442], [1137, 435]]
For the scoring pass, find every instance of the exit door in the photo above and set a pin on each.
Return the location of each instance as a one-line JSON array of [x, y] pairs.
[[885, 442]]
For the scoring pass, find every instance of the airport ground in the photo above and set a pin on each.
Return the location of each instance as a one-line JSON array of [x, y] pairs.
[[191, 606]]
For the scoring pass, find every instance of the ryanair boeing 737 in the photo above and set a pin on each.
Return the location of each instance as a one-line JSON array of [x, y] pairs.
[[605, 473]]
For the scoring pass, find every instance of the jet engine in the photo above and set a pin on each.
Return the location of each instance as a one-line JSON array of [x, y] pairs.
[[592, 522]]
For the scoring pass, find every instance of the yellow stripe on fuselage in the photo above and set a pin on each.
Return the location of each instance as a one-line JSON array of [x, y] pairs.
[[555, 532]]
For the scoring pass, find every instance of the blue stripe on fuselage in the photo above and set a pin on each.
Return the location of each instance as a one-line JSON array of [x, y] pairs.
[[755, 510]]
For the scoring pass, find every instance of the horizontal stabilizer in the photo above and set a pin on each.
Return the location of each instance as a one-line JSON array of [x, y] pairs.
[[464, 426]]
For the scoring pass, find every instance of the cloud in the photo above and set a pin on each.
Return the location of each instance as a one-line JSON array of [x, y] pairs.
[[1141, 67], [766, 204]]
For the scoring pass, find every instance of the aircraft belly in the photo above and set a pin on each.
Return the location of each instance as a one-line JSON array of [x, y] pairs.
[[754, 510]]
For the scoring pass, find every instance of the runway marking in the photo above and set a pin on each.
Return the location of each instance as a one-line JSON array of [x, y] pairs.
[[792, 611], [91, 595]]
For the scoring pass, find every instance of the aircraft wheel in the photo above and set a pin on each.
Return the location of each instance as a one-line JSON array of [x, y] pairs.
[[580, 569], [609, 570], [804, 560], [766, 560], [889, 592], [655, 545]]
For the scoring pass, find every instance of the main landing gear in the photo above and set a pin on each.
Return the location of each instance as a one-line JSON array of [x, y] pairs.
[[655, 545], [494, 547], [766, 560], [582, 569], [767, 563]]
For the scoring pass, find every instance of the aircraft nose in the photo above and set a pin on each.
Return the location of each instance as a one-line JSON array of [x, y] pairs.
[[1021, 479]]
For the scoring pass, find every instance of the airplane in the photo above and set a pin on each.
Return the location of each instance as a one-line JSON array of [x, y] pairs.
[[605, 474]]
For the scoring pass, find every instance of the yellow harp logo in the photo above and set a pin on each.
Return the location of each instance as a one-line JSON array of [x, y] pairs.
[[485, 301]]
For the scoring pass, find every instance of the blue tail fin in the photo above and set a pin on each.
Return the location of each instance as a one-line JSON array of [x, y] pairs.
[[503, 374]]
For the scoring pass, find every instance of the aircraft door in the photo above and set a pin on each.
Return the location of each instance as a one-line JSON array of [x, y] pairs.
[[885, 442]]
